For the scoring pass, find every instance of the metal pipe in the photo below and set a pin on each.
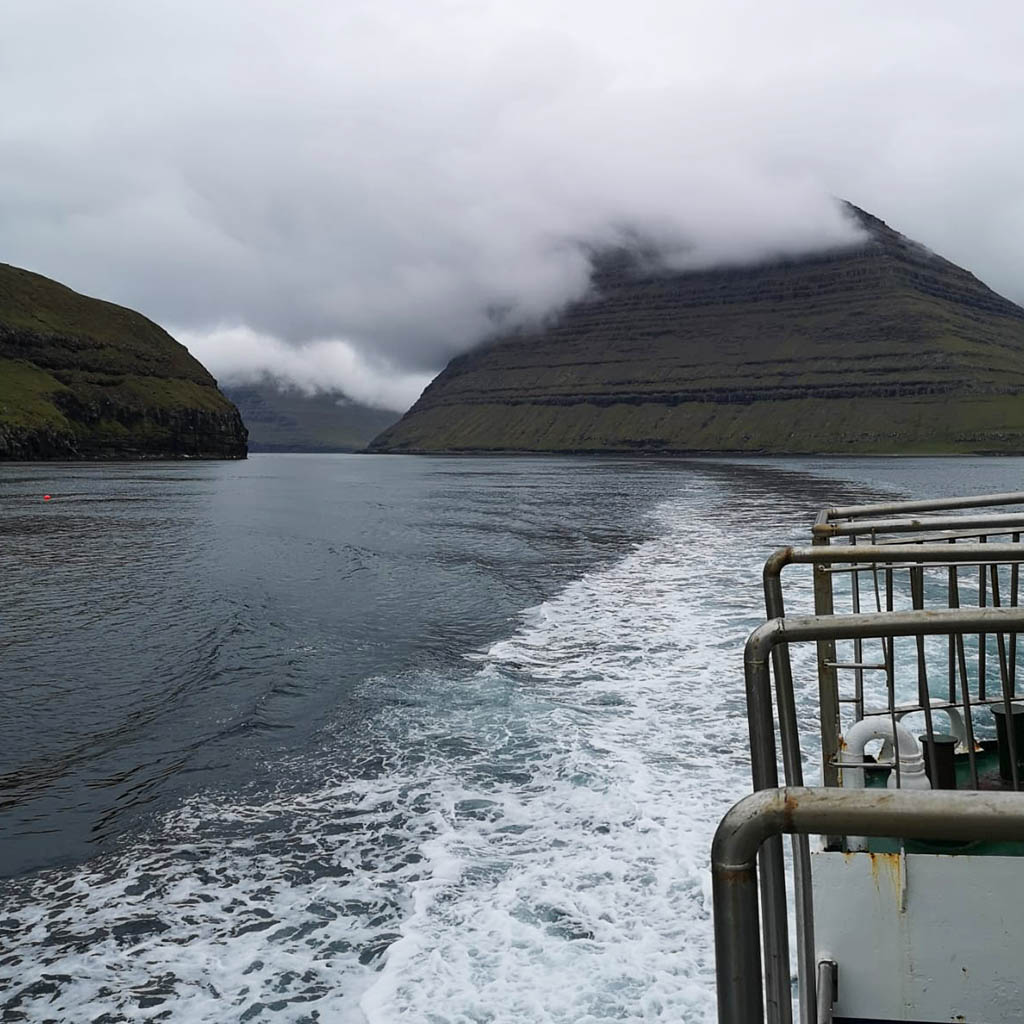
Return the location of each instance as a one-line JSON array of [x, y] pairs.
[[889, 647], [920, 622], [965, 690], [1004, 681], [951, 642], [1014, 589], [961, 554], [927, 505], [764, 766], [828, 678], [793, 769], [765, 775], [849, 570], [907, 754], [944, 536], [851, 529], [939, 814], [858, 651], [982, 640], [924, 697], [828, 990], [820, 555]]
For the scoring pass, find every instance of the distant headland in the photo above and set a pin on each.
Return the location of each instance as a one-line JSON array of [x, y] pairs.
[[882, 347], [85, 379]]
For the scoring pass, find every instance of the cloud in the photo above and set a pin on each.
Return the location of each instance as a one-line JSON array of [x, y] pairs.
[[390, 172], [236, 355]]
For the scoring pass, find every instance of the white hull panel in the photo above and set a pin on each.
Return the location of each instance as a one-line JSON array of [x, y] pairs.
[[922, 937]]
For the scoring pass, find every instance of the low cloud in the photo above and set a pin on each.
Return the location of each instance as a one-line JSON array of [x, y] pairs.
[[407, 177], [239, 355]]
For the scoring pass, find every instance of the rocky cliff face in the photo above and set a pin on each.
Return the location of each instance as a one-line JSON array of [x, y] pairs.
[[81, 378], [884, 347]]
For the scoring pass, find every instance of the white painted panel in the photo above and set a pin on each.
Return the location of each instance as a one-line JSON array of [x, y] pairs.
[[923, 938]]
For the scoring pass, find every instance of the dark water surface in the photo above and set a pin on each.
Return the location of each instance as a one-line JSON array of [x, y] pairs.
[[172, 626], [309, 733]]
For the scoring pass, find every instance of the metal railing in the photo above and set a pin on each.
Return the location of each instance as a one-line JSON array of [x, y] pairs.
[[763, 817], [948, 522], [966, 680], [769, 644], [919, 570], [855, 520]]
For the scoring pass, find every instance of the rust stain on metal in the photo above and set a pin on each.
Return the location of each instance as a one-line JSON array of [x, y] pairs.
[[735, 876], [887, 864], [789, 808]]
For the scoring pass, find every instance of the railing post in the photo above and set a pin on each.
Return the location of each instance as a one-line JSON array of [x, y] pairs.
[[828, 678], [936, 814], [764, 769]]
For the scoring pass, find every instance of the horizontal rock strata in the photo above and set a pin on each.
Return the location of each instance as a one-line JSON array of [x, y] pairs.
[[82, 378], [882, 347]]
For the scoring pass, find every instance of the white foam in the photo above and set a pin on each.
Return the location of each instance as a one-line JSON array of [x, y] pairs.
[[537, 841], [588, 894]]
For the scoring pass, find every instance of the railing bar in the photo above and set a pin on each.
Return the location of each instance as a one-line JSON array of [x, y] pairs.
[[951, 657], [874, 576], [853, 567], [1014, 591], [878, 598], [907, 708], [927, 505], [991, 524], [982, 637], [855, 664], [858, 650], [1004, 672], [907, 550], [923, 692], [828, 710], [866, 764], [789, 737], [1004, 682], [760, 817], [890, 669], [965, 690], [934, 537]]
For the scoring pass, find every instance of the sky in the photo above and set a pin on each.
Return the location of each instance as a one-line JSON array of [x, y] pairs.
[[345, 194]]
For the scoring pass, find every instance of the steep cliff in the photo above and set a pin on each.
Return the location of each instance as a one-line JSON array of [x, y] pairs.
[[82, 378], [882, 347]]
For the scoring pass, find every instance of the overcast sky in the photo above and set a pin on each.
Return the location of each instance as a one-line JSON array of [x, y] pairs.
[[344, 192]]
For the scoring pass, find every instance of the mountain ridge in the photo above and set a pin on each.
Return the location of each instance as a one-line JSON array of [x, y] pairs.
[[285, 419], [882, 346], [84, 378]]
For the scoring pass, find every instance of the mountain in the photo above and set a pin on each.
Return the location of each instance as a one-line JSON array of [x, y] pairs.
[[287, 420], [879, 347], [83, 378]]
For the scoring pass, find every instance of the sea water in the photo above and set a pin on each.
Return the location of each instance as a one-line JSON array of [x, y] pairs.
[[378, 739]]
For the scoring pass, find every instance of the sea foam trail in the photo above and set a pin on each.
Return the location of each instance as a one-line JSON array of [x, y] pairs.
[[580, 893], [525, 840]]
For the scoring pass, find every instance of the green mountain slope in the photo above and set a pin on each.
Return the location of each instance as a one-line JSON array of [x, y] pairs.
[[284, 420], [83, 378], [883, 347]]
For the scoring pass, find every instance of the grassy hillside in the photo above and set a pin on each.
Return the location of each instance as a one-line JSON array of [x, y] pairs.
[[883, 347], [83, 378]]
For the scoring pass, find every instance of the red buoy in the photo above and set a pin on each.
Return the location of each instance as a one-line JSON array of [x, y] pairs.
[[46, 497]]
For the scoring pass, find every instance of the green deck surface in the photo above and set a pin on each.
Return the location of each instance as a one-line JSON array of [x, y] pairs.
[[988, 774]]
